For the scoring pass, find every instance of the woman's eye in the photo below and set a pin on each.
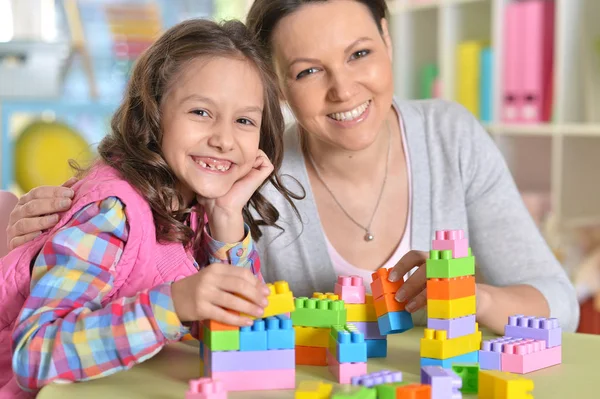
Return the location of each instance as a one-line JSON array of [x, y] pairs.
[[360, 54], [200, 112], [245, 121], [306, 72]]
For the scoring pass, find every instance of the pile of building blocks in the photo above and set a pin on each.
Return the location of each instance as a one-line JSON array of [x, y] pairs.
[[347, 353], [452, 334], [528, 344], [261, 357], [206, 388], [361, 312], [391, 316]]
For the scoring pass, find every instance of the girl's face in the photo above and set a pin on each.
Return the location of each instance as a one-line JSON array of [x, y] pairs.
[[335, 71], [211, 119]]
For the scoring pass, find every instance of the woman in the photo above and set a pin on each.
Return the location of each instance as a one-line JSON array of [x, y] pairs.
[[380, 175]]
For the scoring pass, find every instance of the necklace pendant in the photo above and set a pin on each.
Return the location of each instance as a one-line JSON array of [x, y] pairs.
[[369, 237]]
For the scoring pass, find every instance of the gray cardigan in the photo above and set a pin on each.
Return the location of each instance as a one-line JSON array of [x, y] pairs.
[[459, 181]]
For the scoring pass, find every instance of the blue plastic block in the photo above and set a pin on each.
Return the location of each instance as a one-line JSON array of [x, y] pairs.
[[395, 322], [376, 348], [254, 338], [347, 344], [280, 332], [471, 357]]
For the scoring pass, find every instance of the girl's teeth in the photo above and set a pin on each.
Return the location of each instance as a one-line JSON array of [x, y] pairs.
[[350, 115], [220, 168]]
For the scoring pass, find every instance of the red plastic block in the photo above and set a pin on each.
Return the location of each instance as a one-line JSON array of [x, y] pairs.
[[529, 355], [206, 388], [350, 289], [311, 356], [343, 372], [453, 240], [381, 285], [257, 380], [414, 391]]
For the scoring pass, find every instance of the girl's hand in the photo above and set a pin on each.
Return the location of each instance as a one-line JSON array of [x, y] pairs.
[[217, 290], [413, 290]]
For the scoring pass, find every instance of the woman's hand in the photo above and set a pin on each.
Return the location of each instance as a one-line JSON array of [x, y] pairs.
[[413, 291], [220, 292], [37, 211]]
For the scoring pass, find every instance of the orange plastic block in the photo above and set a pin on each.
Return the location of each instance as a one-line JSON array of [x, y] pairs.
[[311, 356], [218, 326], [450, 288], [387, 304], [414, 391], [381, 285]]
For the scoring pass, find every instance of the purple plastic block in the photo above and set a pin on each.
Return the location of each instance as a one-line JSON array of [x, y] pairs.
[[539, 328], [283, 359], [489, 355], [455, 327], [377, 378], [445, 383], [370, 329]]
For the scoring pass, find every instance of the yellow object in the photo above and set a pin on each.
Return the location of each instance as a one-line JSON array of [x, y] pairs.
[[451, 308], [436, 345], [317, 337], [281, 300], [313, 390], [42, 152], [467, 77], [503, 385], [361, 311], [327, 295], [201, 368]]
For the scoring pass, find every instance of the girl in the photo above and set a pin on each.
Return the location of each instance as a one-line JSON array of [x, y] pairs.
[[130, 265]]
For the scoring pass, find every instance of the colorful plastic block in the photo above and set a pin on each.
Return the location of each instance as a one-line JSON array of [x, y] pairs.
[[318, 312], [312, 336], [354, 392], [388, 303], [343, 372], [313, 390], [347, 344], [377, 378], [414, 391], [453, 240], [311, 356], [450, 288], [489, 355], [441, 265], [280, 332], [218, 326], [256, 380], [363, 312], [350, 289], [388, 391], [282, 359], [395, 322], [369, 328], [471, 357], [539, 328], [445, 383], [529, 355], [206, 388], [435, 344], [222, 340], [454, 327], [451, 308], [382, 285], [469, 373], [376, 348], [501, 385], [326, 295], [254, 338], [281, 300]]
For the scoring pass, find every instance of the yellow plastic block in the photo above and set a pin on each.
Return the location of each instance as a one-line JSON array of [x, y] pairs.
[[201, 368], [360, 312], [281, 300], [451, 308], [317, 337], [313, 390], [436, 345], [326, 295], [503, 385]]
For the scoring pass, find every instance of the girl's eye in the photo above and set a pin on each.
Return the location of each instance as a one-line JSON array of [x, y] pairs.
[[245, 121], [360, 54], [200, 112], [306, 72]]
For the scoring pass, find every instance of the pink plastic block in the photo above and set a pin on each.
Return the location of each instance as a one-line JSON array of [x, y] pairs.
[[491, 350], [206, 388], [343, 372], [350, 289], [257, 380], [451, 240], [529, 355], [539, 328]]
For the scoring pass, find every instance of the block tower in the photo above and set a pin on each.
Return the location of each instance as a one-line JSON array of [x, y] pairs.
[[260, 357], [452, 334], [391, 316], [361, 313]]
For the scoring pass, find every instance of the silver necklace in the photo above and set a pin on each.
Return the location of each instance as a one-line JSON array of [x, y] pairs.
[[368, 235]]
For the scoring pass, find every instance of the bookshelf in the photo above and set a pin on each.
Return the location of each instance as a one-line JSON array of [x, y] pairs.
[[558, 158]]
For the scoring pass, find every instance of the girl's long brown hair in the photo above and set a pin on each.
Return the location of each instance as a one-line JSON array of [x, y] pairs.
[[134, 145]]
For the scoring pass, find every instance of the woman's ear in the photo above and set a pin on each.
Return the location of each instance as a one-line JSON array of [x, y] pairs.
[[385, 34]]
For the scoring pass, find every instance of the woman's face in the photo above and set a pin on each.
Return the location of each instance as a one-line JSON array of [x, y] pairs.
[[335, 71]]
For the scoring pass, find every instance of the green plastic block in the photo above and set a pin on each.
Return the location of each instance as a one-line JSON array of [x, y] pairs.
[[469, 372], [347, 391], [388, 391], [441, 265], [222, 340], [312, 312]]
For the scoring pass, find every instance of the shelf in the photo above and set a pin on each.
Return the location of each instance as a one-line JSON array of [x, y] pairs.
[[399, 6], [545, 129]]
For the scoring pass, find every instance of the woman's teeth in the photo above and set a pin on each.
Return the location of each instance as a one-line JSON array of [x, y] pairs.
[[350, 115], [221, 168]]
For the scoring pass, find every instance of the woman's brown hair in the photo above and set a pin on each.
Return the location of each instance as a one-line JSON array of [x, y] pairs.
[[134, 145]]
